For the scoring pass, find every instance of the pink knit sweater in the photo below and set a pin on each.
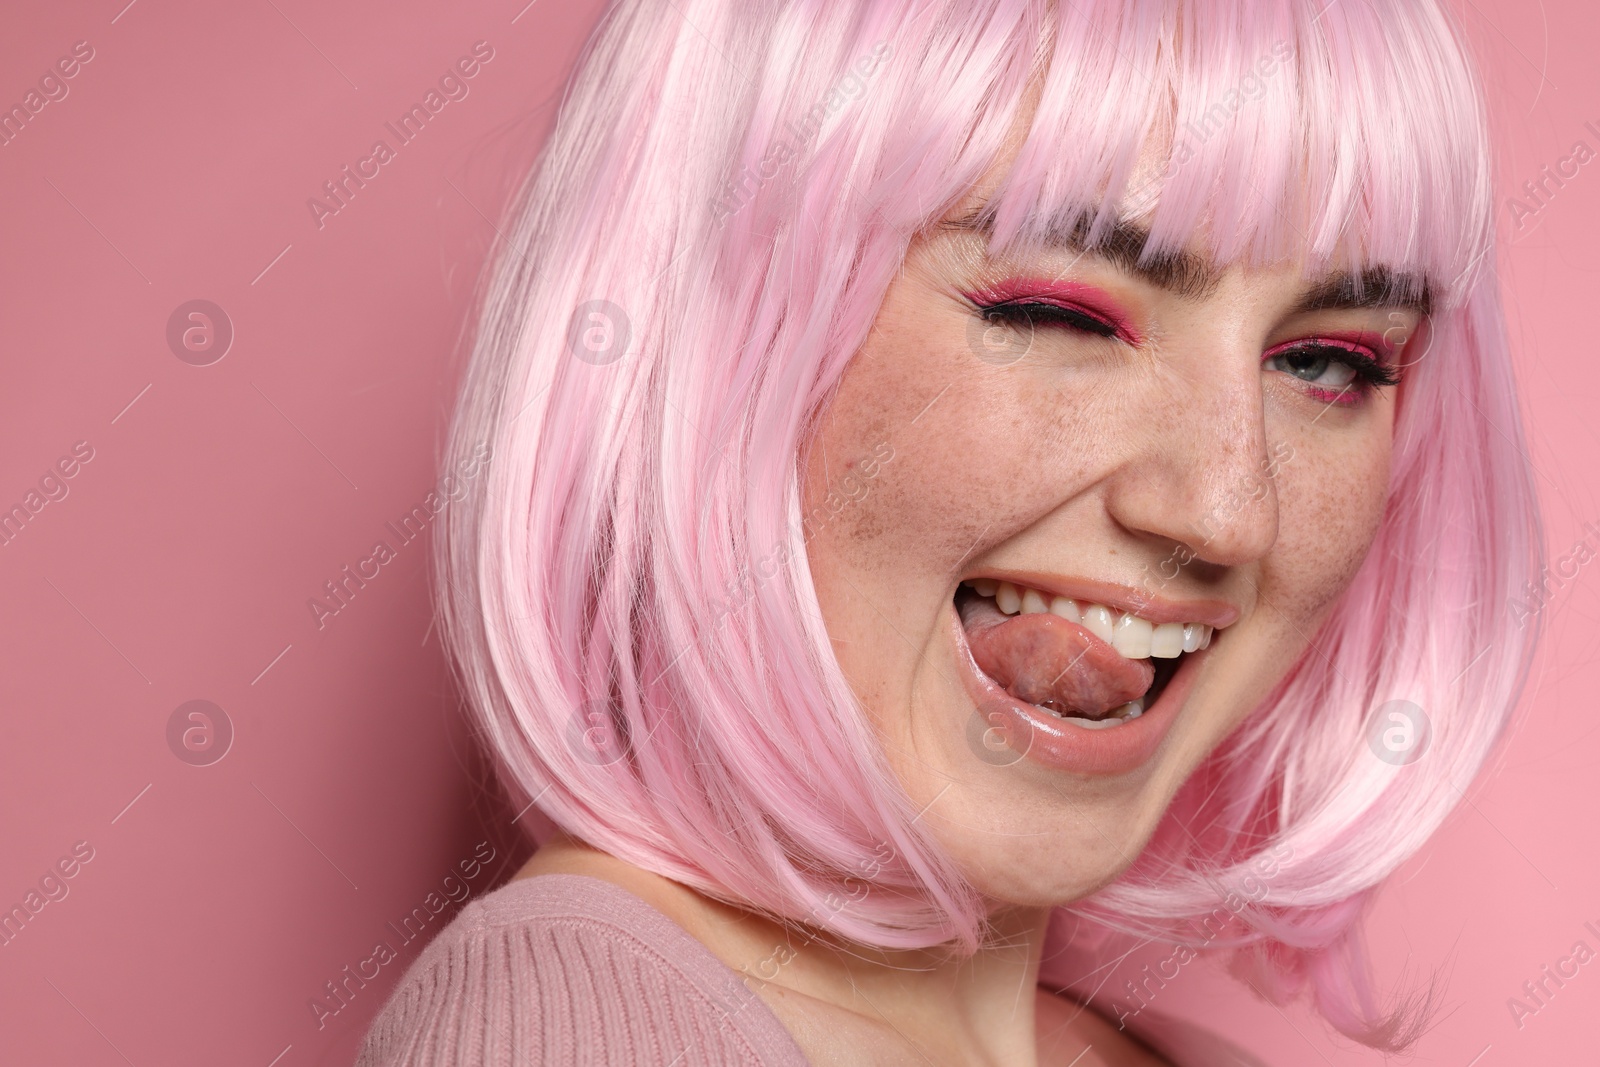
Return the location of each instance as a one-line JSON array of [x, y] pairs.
[[567, 969], [571, 970]]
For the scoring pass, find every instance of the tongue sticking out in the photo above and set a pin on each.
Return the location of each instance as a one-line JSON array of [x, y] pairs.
[[1046, 660]]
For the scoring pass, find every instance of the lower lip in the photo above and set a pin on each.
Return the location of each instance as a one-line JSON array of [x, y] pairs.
[[1049, 742]]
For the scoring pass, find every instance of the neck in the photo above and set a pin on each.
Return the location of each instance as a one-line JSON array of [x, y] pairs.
[[982, 1006]]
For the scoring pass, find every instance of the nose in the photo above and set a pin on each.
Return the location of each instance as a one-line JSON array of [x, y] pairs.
[[1205, 474]]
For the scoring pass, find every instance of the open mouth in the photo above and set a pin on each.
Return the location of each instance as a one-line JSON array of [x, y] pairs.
[[1084, 663]]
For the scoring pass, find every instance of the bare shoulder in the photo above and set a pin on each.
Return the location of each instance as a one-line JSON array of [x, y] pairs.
[[1152, 1040], [1074, 1033], [565, 856]]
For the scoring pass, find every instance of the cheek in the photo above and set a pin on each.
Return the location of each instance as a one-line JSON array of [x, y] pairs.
[[973, 456], [963, 455], [1331, 501]]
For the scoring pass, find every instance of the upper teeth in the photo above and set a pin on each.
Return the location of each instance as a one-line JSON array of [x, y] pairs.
[[1131, 636]]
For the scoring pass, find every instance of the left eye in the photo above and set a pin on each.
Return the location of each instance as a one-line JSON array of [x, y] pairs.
[[1029, 315], [1319, 364]]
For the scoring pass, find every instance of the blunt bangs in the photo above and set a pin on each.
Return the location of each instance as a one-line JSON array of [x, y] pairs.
[[1349, 134]]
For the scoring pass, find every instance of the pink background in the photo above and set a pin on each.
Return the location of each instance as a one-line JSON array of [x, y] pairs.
[[220, 898]]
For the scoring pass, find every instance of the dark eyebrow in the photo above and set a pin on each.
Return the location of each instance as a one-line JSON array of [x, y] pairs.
[[1190, 275], [1183, 273], [1374, 287]]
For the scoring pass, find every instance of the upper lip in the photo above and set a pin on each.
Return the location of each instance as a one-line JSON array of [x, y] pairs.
[[1214, 613]]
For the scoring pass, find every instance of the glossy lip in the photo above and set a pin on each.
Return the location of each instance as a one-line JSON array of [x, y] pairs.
[[1217, 614], [1045, 290], [1057, 745]]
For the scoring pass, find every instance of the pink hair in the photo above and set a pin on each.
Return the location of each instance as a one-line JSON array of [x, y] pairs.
[[626, 591]]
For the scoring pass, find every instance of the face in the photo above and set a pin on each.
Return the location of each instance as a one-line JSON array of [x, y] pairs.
[[1056, 471]]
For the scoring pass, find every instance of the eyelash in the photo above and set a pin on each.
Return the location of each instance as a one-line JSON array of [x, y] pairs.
[[1017, 313], [1371, 372]]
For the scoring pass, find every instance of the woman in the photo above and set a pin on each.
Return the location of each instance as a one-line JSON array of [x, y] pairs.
[[977, 482]]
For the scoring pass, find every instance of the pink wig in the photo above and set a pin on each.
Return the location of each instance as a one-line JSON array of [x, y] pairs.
[[729, 190]]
